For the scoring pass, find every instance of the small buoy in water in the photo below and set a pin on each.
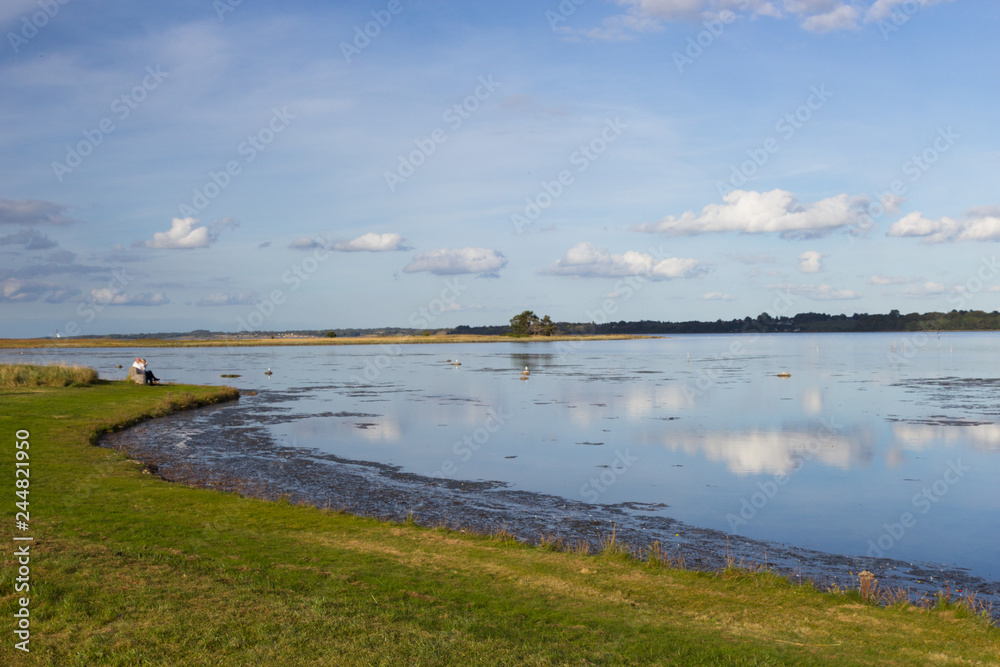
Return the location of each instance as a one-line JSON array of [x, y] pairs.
[[784, 374], [268, 372], [525, 371], [524, 377]]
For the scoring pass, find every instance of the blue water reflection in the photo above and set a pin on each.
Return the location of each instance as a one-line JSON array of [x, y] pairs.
[[868, 428]]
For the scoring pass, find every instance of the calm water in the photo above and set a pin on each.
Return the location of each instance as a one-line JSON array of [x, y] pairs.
[[878, 444]]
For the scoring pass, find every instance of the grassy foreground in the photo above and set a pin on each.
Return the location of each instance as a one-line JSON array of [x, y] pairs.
[[25, 343], [129, 570]]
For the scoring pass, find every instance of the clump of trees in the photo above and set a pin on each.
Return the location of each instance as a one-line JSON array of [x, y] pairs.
[[529, 324]]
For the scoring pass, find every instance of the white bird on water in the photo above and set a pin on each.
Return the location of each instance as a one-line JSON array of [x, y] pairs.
[[456, 363], [525, 371]]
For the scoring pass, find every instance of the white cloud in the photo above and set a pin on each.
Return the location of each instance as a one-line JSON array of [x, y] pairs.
[[372, 242], [982, 224], [453, 261], [811, 262], [816, 292], [588, 261], [182, 235], [110, 297], [753, 212], [223, 299], [717, 296]]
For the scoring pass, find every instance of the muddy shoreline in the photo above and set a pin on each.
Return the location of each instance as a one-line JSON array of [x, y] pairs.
[[223, 448]]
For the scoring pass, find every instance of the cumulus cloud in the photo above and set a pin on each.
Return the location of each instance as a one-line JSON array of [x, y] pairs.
[[182, 235], [717, 296], [110, 297], [224, 299], [31, 239], [816, 292], [372, 242], [811, 262], [585, 260], [17, 290], [453, 261], [840, 17], [981, 224], [29, 212], [776, 211]]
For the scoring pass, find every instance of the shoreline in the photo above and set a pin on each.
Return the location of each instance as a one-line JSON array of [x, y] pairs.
[[246, 461], [97, 343]]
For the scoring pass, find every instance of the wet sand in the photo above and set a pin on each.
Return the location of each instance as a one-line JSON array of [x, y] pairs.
[[220, 447]]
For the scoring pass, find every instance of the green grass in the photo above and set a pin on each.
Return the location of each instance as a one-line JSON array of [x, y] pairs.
[[131, 570], [52, 375]]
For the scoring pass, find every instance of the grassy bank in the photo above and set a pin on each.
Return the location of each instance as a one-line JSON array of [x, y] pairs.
[[13, 343], [127, 570]]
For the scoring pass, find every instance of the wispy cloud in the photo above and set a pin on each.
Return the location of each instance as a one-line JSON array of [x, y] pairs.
[[225, 299], [111, 297], [31, 239], [453, 261], [816, 292], [33, 212]]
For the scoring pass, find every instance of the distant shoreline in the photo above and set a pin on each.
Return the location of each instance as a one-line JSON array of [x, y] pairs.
[[27, 343]]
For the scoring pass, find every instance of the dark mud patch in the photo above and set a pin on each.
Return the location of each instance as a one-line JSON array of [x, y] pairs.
[[224, 448]]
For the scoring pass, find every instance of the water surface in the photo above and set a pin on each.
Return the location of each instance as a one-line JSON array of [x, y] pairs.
[[878, 444]]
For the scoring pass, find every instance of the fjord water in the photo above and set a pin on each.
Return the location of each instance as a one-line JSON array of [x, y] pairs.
[[877, 444]]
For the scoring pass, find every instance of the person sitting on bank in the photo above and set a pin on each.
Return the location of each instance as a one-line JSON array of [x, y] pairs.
[[140, 364], [150, 378]]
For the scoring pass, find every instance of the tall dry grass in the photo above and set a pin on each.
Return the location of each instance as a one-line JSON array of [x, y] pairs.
[[52, 375]]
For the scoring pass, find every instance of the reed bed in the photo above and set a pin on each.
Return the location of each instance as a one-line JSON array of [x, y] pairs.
[[51, 375]]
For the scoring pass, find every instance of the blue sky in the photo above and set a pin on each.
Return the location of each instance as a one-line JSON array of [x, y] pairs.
[[270, 166]]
